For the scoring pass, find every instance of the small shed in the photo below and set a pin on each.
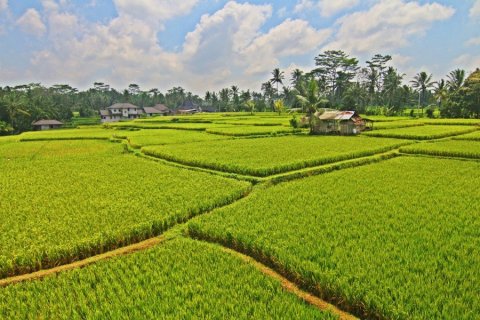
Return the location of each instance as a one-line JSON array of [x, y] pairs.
[[188, 107], [47, 124], [340, 122]]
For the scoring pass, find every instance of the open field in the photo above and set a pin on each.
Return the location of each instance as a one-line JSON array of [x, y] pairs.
[[241, 130], [474, 136], [448, 148], [68, 200], [357, 221], [423, 132], [147, 137], [68, 134], [181, 278], [267, 156], [389, 239]]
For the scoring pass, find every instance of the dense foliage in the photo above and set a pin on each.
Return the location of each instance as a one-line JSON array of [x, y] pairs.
[[71, 199], [267, 156], [397, 240]]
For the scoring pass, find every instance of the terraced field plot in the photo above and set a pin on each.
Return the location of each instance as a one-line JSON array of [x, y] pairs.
[[474, 136], [268, 156], [423, 132], [454, 122], [68, 134], [396, 240], [177, 126], [240, 130], [396, 124], [149, 137], [71, 199], [449, 148], [179, 279]]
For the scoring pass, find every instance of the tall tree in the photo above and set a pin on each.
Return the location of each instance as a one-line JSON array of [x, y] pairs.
[[423, 83], [277, 77], [455, 79], [336, 69]]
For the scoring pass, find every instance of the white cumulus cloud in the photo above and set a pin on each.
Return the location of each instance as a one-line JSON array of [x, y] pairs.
[[31, 23], [475, 9], [387, 25], [154, 11], [329, 8]]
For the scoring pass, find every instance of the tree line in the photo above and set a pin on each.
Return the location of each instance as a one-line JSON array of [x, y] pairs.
[[336, 81]]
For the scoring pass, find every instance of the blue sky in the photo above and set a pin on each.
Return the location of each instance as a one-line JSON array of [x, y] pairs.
[[206, 45]]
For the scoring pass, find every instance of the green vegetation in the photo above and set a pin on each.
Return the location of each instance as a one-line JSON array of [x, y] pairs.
[[176, 280], [423, 132], [397, 239], [154, 125], [449, 148], [396, 124], [267, 156], [474, 136], [454, 122], [251, 130], [71, 199], [149, 137], [67, 134]]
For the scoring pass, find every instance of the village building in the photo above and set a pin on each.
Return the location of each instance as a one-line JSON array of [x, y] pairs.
[[120, 111], [47, 124], [127, 111], [188, 107], [340, 122]]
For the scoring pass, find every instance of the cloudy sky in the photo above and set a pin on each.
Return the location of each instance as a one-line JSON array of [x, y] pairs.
[[209, 44]]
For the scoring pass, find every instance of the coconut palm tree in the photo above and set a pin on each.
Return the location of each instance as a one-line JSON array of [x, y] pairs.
[[277, 77], [422, 82], [309, 97], [296, 76], [456, 79]]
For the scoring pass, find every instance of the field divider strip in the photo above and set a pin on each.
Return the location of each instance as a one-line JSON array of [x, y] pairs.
[[139, 246], [269, 269], [291, 287]]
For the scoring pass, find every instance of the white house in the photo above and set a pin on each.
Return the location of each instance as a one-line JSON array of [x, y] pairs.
[[120, 111]]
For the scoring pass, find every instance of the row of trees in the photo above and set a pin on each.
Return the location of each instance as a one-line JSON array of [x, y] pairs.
[[336, 81]]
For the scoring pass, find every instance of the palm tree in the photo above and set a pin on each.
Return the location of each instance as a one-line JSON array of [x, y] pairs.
[[422, 82], [456, 79], [277, 77], [440, 92], [309, 98], [296, 76]]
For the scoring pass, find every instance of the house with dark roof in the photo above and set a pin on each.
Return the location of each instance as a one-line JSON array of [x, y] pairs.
[[47, 124], [188, 107], [120, 111], [157, 110]]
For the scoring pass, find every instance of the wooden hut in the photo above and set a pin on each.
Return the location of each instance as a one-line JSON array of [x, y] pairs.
[[340, 122]]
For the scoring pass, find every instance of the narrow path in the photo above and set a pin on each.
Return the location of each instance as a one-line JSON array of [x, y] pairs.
[[291, 287], [82, 263]]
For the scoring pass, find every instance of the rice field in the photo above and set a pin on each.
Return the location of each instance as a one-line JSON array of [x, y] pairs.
[[380, 225], [67, 134], [72, 199], [267, 156], [474, 136], [176, 280], [148, 137], [448, 148], [422, 132], [241, 131], [394, 240]]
